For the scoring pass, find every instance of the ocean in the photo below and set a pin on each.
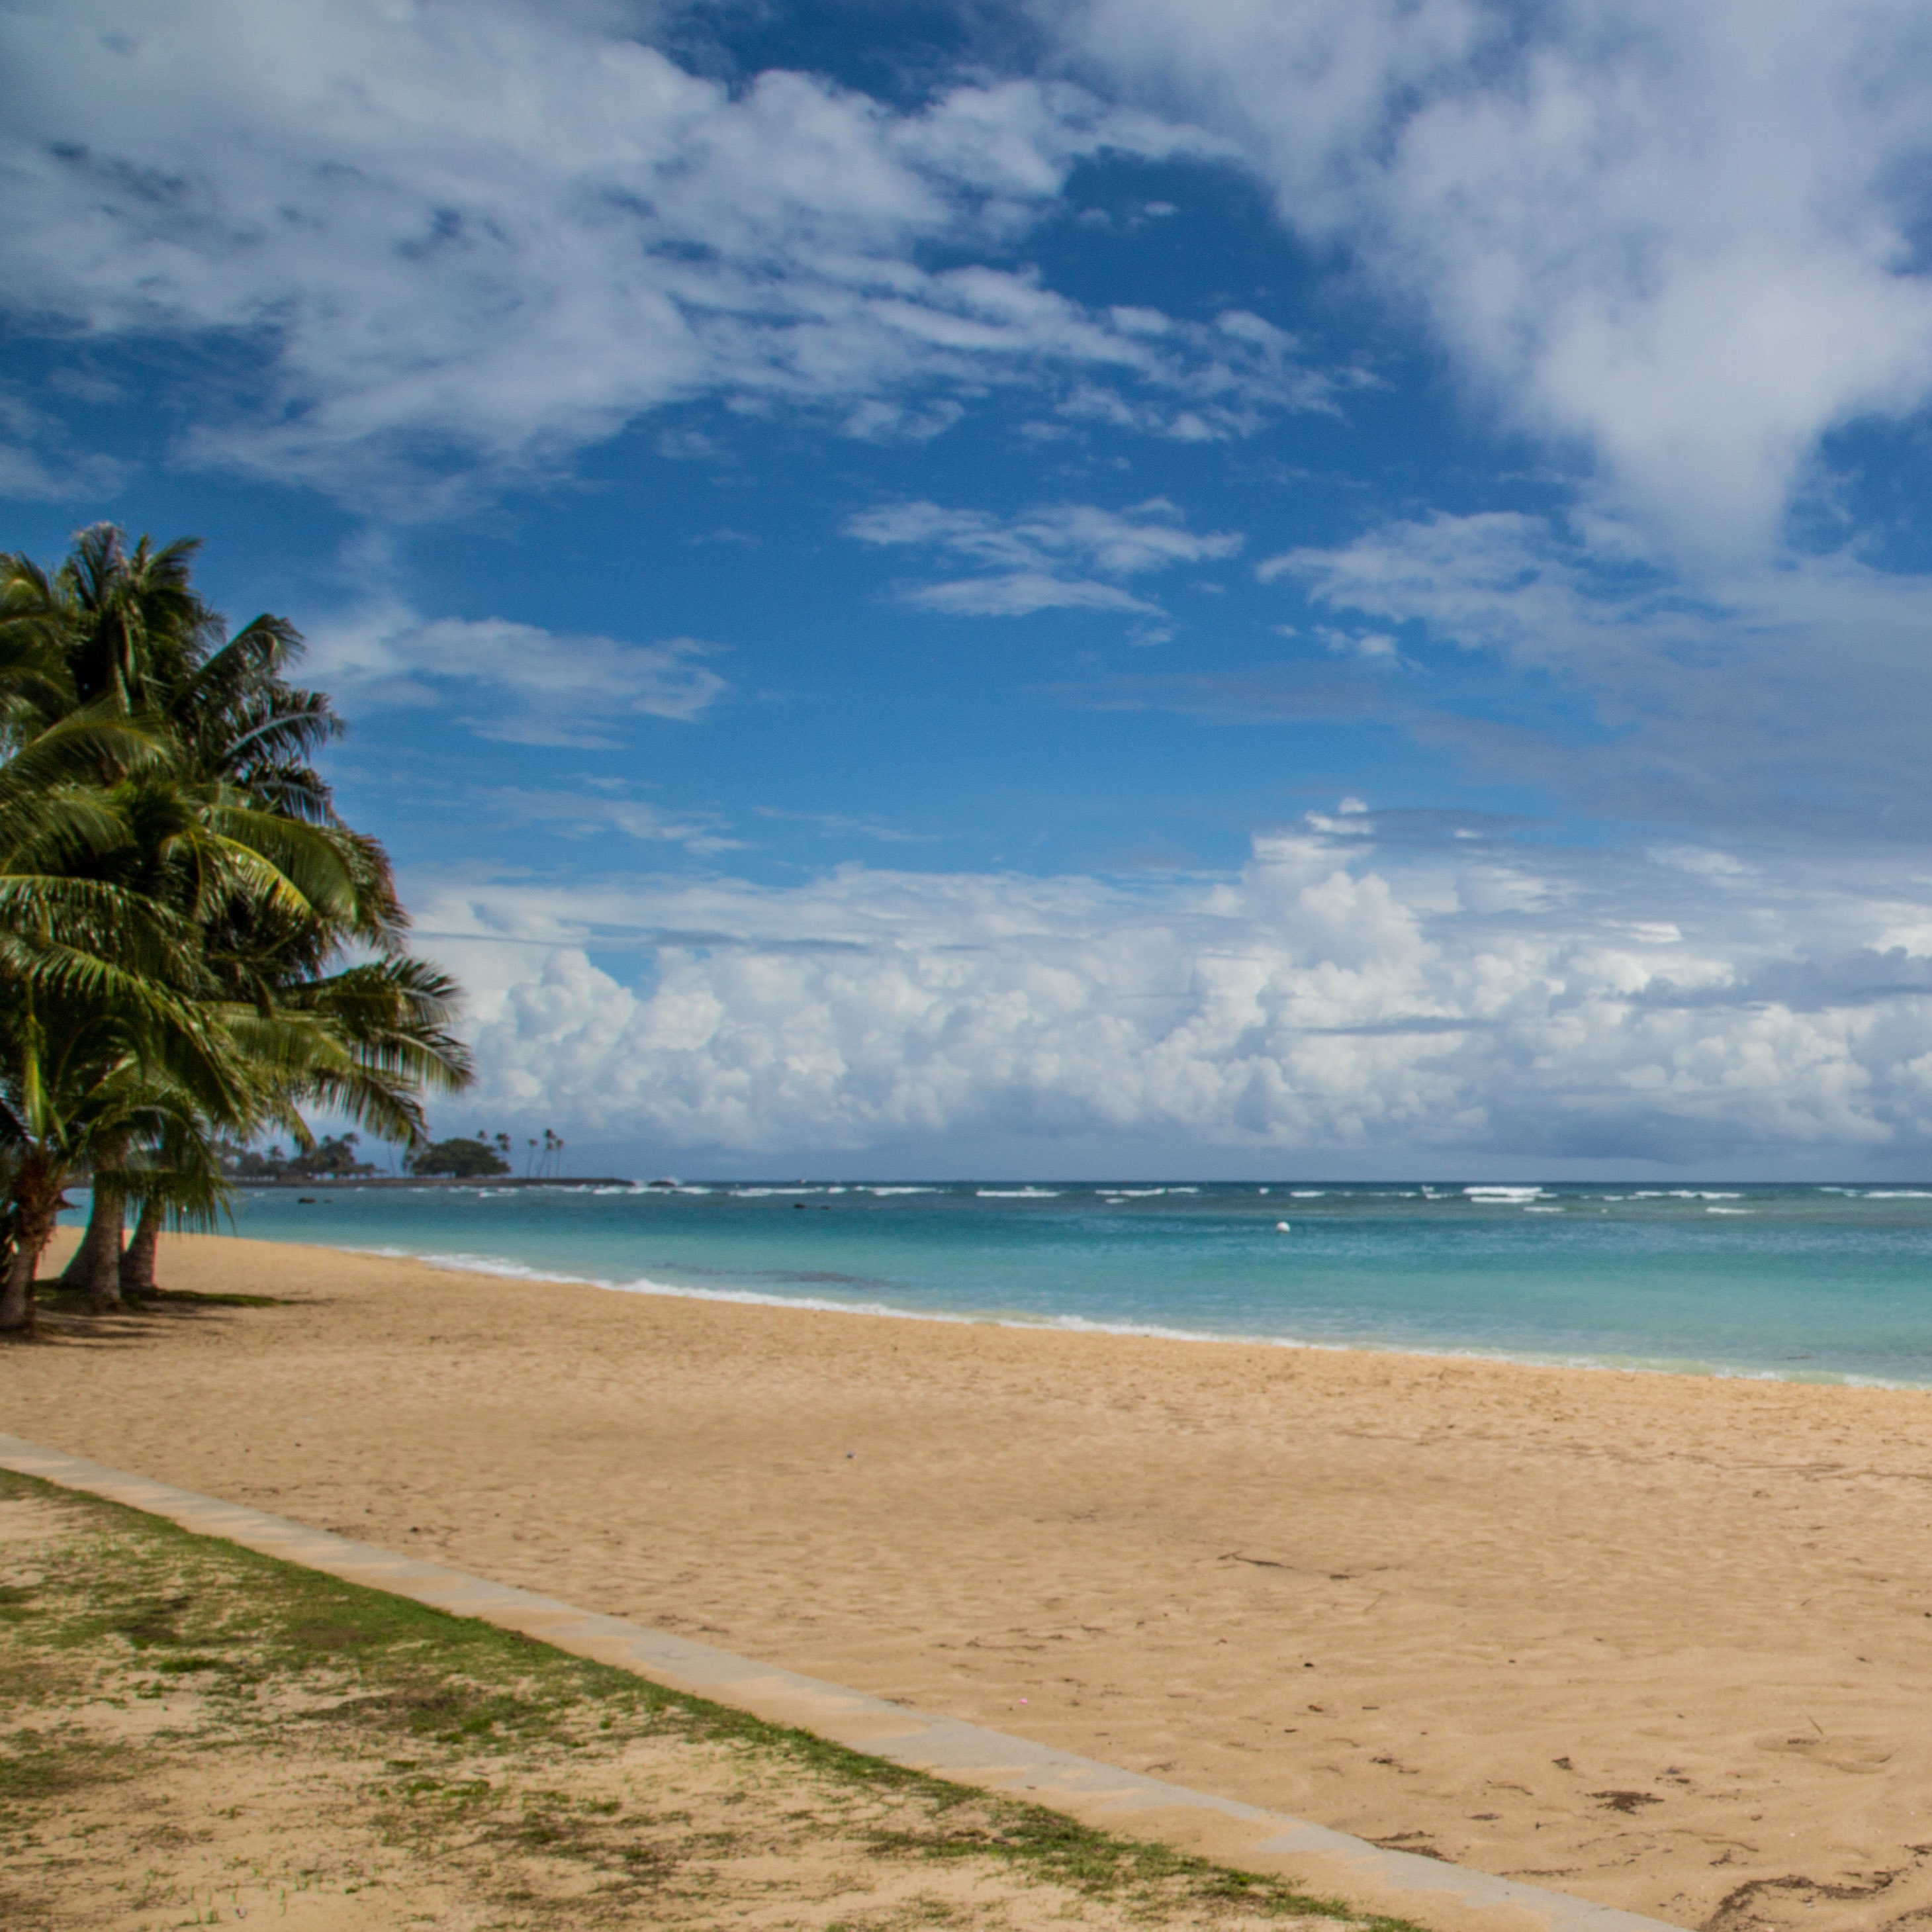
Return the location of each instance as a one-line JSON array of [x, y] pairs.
[[1808, 1283]]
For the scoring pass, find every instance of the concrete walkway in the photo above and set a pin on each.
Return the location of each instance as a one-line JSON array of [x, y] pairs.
[[1447, 1897]]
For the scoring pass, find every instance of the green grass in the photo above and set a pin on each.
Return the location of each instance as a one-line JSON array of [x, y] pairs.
[[460, 1733]]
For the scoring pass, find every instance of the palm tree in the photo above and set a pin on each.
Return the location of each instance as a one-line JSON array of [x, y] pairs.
[[202, 810], [199, 849], [100, 1040], [96, 1078], [75, 949]]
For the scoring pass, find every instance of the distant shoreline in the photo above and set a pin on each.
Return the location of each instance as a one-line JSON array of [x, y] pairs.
[[432, 1181]]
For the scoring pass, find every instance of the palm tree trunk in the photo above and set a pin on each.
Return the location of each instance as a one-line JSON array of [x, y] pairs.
[[36, 1196], [95, 1269], [16, 1295], [137, 1265]]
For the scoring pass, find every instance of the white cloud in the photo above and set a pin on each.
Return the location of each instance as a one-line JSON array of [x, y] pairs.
[[1020, 592], [1522, 587], [420, 239], [576, 815], [1789, 694], [1369, 647], [1334, 994], [1063, 556], [1685, 237], [836, 824], [508, 681]]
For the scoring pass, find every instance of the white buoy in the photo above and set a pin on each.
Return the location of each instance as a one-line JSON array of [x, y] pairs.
[[1281, 1227]]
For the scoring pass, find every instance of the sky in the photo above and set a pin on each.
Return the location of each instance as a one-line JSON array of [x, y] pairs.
[[1202, 588]]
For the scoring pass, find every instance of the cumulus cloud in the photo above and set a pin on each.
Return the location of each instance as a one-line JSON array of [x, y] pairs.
[[420, 240], [1345, 991], [1686, 238], [1063, 556], [509, 681]]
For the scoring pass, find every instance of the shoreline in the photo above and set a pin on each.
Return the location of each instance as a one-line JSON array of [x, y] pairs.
[[1076, 1325], [1817, 1291], [268, 1182], [1662, 1641]]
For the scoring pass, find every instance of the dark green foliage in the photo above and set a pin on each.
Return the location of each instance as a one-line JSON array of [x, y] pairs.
[[460, 1159], [180, 903], [332, 1157]]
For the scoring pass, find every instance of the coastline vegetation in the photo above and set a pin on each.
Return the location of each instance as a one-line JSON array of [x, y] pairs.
[[194, 947], [479, 1157], [332, 1157]]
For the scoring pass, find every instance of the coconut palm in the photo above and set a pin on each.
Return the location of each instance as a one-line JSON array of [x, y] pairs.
[[173, 852], [110, 1029], [102, 1086], [95, 1050], [193, 850]]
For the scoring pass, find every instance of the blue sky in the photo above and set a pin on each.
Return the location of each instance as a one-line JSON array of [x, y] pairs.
[[1085, 587]]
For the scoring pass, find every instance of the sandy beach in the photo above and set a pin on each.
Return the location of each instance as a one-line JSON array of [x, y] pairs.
[[1663, 1641]]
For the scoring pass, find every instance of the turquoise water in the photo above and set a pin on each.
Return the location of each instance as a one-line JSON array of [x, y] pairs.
[[1813, 1283]]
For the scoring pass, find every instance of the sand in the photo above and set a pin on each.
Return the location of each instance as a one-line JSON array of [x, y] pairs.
[[266, 1751], [1662, 1642]]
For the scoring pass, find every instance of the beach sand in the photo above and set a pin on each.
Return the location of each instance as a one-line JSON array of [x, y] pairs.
[[1662, 1642], [242, 1762]]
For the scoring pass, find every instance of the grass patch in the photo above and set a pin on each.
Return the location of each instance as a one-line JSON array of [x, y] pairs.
[[267, 1730]]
